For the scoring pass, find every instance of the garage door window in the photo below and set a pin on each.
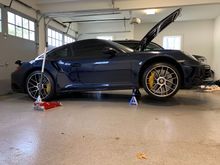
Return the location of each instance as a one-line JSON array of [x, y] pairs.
[[21, 27], [68, 39], [0, 20], [172, 42], [55, 38]]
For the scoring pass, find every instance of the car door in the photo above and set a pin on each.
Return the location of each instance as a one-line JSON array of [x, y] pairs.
[[97, 69]]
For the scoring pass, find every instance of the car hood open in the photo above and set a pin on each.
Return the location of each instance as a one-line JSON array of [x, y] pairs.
[[157, 29]]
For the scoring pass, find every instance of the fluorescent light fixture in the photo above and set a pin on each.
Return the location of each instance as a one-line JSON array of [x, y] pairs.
[[150, 11]]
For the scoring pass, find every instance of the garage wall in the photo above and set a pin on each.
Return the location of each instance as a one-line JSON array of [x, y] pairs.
[[98, 28], [22, 49], [216, 59], [13, 48], [197, 36]]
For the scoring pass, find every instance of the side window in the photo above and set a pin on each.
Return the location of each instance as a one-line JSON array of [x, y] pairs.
[[152, 46], [59, 53], [88, 49]]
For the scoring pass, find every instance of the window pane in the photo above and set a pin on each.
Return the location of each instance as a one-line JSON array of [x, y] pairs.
[[53, 42], [25, 23], [25, 34], [60, 43], [11, 18], [56, 35], [49, 41], [172, 42], [11, 29], [18, 31], [18, 20], [49, 33], [53, 34], [32, 36], [31, 25], [57, 43], [60, 37]]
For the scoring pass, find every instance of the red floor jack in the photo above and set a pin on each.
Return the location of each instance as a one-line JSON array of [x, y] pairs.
[[40, 105]]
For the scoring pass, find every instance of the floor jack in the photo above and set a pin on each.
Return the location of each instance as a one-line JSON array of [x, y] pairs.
[[136, 94], [40, 105]]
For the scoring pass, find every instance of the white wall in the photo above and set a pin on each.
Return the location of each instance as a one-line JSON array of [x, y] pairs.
[[106, 27], [197, 36], [216, 59]]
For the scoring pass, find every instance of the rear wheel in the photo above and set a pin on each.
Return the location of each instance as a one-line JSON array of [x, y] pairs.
[[161, 80], [33, 85]]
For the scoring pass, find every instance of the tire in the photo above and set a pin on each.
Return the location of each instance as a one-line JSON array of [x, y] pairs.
[[161, 80], [32, 88]]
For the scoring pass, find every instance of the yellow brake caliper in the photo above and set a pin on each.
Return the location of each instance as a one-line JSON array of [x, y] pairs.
[[151, 80], [48, 87]]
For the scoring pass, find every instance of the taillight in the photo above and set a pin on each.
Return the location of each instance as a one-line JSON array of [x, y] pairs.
[[19, 63], [18, 68]]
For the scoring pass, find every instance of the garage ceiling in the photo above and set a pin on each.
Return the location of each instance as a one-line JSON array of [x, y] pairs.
[[189, 13], [61, 1]]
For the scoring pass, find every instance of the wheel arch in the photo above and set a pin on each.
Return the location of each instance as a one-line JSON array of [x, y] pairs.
[[160, 59]]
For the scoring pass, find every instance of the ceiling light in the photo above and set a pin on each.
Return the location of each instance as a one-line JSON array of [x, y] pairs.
[[150, 11], [135, 20]]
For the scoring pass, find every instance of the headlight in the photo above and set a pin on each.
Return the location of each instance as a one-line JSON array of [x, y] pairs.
[[202, 60], [190, 56]]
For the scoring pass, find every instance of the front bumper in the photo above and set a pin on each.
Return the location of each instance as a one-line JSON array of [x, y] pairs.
[[196, 75]]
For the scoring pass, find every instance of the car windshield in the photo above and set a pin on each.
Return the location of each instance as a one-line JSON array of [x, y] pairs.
[[123, 48]]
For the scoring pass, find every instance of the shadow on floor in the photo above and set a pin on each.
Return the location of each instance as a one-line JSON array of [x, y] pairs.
[[123, 97]]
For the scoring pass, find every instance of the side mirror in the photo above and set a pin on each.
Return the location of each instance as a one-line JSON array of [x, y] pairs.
[[110, 51]]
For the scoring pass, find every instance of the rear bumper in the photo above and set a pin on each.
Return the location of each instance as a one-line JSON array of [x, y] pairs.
[[17, 83], [196, 75]]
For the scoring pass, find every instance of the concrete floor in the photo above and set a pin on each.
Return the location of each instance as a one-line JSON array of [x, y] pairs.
[[101, 129]]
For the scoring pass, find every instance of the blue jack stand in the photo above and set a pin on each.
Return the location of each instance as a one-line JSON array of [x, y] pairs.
[[135, 93]]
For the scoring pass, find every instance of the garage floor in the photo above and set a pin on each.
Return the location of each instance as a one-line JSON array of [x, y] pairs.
[[101, 128]]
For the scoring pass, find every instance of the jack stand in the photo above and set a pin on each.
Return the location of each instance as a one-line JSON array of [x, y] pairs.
[[135, 93]]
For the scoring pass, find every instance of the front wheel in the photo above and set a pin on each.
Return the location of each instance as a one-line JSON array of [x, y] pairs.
[[33, 85], [161, 80]]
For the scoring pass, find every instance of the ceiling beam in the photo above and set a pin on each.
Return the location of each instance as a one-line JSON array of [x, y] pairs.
[[86, 5]]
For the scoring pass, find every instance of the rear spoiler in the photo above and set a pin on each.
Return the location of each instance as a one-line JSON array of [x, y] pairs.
[[18, 62]]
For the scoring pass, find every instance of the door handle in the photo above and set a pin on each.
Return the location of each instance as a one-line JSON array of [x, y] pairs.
[[76, 65]]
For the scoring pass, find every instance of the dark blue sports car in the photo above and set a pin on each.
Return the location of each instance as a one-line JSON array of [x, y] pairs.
[[91, 65]]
